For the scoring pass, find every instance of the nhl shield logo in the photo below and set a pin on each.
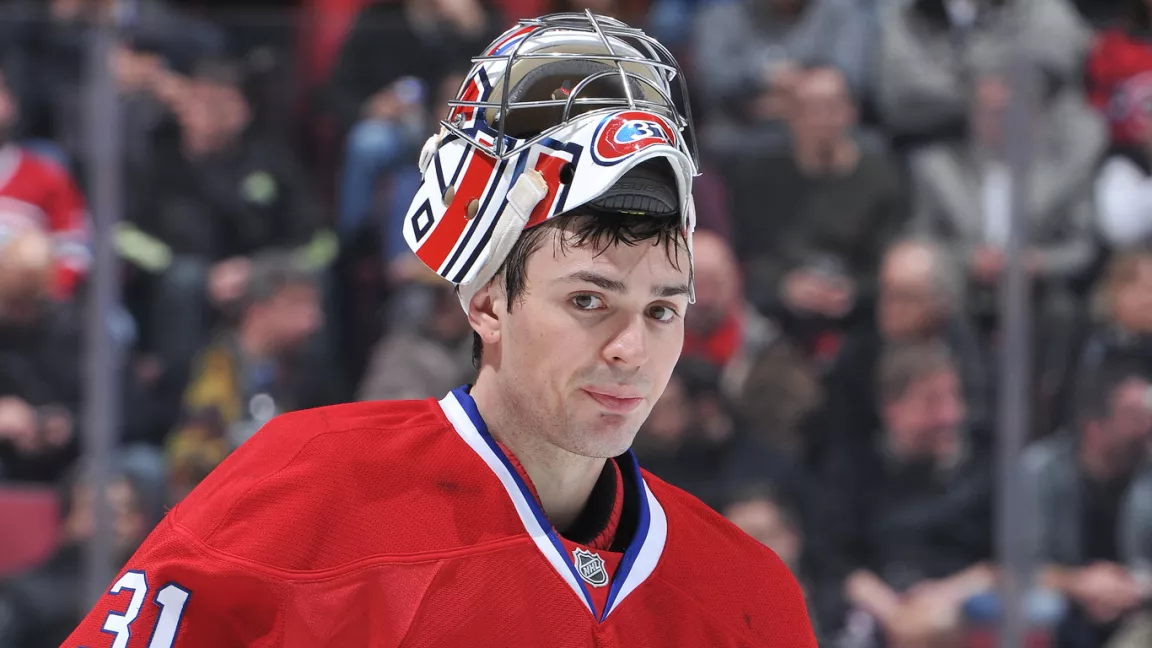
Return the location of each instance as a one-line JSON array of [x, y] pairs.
[[591, 568]]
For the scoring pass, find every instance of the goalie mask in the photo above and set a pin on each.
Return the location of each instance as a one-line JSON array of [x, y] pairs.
[[559, 113]]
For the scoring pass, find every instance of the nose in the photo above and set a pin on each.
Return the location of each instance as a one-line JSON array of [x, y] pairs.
[[628, 346]]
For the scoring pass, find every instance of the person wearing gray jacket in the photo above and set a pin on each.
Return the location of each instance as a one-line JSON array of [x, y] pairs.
[[1090, 497], [927, 50], [753, 53]]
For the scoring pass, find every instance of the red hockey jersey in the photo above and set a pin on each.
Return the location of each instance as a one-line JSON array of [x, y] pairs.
[[38, 194], [404, 524]]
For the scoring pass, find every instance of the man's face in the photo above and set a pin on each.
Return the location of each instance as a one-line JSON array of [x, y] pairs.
[[926, 419], [717, 283], [763, 520], [293, 315], [25, 278], [823, 111], [1129, 427], [587, 349], [212, 115], [908, 307]]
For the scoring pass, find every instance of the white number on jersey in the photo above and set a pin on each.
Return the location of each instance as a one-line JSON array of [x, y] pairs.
[[171, 600]]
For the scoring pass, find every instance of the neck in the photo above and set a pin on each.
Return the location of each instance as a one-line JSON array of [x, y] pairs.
[[837, 158], [563, 480]]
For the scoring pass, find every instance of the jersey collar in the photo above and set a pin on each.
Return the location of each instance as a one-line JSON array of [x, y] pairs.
[[644, 550]]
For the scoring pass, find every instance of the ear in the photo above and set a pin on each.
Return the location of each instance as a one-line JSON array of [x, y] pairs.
[[485, 311]]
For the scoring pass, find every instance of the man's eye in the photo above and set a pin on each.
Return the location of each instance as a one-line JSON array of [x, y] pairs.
[[662, 313], [587, 302]]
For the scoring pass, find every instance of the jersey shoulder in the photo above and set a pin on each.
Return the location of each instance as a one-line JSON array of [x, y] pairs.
[[323, 488], [37, 168], [725, 569]]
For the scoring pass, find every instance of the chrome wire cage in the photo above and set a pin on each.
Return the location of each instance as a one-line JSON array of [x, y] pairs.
[[624, 47]]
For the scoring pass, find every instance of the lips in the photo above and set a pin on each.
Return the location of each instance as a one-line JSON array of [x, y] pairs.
[[617, 402]]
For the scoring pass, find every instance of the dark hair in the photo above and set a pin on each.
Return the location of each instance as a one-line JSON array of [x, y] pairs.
[[1134, 15], [585, 227], [901, 364], [1097, 393], [79, 475], [763, 491]]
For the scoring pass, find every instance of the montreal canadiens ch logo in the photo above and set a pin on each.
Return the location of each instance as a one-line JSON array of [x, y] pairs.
[[591, 568], [621, 134]]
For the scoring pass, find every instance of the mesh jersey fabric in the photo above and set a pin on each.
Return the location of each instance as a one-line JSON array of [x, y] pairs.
[[375, 524]]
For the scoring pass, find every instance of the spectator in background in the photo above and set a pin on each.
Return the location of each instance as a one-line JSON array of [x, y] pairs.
[[693, 438], [1119, 79], [763, 514], [40, 607], [963, 197], [253, 371], [39, 195], [671, 21], [401, 265], [904, 534], [1122, 308], [46, 44], [767, 515], [722, 328], [40, 342], [1091, 494], [920, 297], [781, 400], [1121, 311], [752, 56], [812, 224], [928, 49], [150, 89], [1120, 86], [423, 356], [1124, 195], [385, 77], [214, 195], [947, 176]]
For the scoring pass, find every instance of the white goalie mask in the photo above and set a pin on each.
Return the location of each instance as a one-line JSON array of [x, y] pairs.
[[560, 112]]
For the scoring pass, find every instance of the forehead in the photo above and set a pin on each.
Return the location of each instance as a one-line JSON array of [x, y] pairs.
[[646, 262], [908, 260], [937, 380]]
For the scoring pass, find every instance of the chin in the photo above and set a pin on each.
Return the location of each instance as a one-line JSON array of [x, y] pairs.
[[605, 435]]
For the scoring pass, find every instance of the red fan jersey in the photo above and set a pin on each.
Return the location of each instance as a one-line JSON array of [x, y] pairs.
[[405, 524], [1119, 72], [38, 194]]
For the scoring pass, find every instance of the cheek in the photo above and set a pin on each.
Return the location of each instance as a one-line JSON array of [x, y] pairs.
[[665, 354], [544, 343]]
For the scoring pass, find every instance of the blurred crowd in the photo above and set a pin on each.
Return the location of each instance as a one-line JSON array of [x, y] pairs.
[[837, 394]]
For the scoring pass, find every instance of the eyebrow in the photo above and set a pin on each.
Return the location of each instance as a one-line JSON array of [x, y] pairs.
[[614, 286]]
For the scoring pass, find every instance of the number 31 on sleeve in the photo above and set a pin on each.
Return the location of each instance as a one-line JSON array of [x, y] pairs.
[[171, 600]]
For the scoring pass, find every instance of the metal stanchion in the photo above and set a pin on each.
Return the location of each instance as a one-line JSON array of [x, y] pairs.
[[101, 407], [1015, 358]]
